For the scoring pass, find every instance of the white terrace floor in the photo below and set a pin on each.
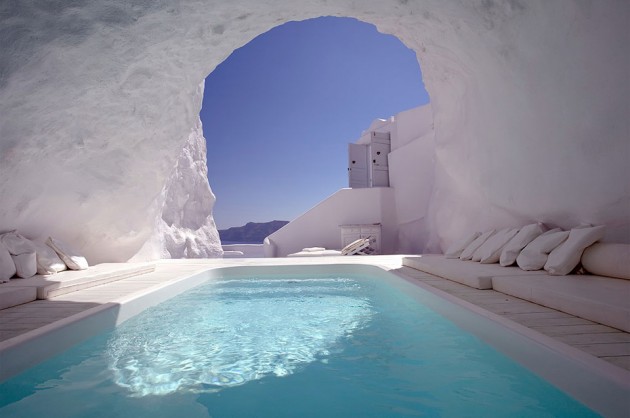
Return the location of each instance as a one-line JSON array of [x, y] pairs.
[[607, 343]]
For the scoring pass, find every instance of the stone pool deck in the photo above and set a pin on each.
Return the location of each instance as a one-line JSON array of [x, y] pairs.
[[608, 344]]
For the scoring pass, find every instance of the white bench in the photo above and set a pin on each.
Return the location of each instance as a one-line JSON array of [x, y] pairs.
[[19, 291], [470, 273], [13, 296], [601, 299]]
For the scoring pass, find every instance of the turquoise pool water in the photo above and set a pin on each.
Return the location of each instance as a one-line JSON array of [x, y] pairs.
[[285, 346]]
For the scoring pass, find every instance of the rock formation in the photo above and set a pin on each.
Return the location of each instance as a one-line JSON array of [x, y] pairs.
[[99, 113]]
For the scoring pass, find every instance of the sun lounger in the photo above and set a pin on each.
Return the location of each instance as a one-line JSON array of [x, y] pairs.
[[318, 253], [359, 247]]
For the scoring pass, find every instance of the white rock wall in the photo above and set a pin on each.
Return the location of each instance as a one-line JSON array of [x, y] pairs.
[[98, 98], [185, 227]]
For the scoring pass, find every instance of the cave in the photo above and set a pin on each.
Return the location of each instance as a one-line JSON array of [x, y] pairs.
[[530, 102]]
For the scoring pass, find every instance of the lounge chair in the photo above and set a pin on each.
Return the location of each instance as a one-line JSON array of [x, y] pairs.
[[359, 247]]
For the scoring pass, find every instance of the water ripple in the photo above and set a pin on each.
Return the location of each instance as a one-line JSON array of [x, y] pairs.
[[203, 341]]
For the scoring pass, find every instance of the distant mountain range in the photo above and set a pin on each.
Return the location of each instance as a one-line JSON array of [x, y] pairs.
[[252, 232]]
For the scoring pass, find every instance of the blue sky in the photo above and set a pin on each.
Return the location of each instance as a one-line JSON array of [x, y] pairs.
[[279, 112]]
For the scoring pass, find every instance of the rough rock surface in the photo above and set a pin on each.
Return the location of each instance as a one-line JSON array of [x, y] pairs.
[[184, 227], [98, 98]]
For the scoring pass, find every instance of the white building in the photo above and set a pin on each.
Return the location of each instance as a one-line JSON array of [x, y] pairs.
[[390, 174]]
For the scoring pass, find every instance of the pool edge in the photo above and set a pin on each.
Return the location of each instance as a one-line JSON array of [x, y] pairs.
[[27, 350], [24, 351]]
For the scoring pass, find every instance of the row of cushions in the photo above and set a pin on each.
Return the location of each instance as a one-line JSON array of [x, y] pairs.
[[532, 248], [25, 258]]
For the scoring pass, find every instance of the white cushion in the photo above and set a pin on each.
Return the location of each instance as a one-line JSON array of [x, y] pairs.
[[469, 273], [534, 255], [472, 247], [491, 249], [7, 266], [492, 244], [48, 262], [488, 244], [313, 249], [596, 298], [608, 259], [17, 244], [25, 264], [73, 260], [323, 253], [455, 250], [566, 257], [513, 248]]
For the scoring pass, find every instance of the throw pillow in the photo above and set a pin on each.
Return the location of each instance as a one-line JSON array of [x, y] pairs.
[[489, 243], [513, 248], [16, 243], [534, 255], [73, 260], [566, 257], [48, 262], [455, 250], [7, 266], [25, 265], [473, 246], [491, 253]]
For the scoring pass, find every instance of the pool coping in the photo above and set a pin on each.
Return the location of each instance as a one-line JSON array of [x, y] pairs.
[[28, 349], [599, 400], [25, 350]]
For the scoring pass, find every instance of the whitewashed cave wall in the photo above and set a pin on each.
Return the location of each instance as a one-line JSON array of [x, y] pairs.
[[98, 99]]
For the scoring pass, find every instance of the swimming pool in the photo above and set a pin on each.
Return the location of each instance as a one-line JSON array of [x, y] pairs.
[[355, 341]]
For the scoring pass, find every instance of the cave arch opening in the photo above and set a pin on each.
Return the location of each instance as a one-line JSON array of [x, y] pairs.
[[279, 112], [508, 87]]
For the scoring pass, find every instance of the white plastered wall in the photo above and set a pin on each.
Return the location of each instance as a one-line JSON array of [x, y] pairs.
[[98, 99], [412, 176], [320, 225]]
